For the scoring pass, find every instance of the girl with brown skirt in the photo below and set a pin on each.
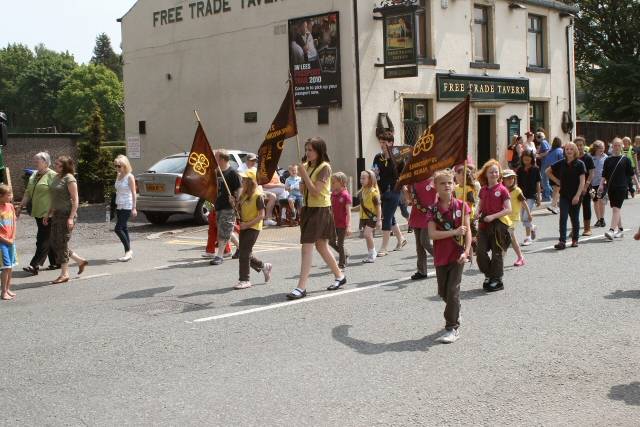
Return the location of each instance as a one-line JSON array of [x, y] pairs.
[[316, 221]]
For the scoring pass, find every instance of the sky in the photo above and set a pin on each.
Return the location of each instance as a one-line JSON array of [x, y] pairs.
[[62, 25]]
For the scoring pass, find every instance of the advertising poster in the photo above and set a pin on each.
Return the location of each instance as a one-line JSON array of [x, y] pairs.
[[399, 42], [314, 60]]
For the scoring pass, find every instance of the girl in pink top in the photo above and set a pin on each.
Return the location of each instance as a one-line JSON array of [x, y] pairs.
[[421, 196], [493, 234]]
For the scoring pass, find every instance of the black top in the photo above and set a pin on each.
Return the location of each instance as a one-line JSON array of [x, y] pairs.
[[234, 183], [569, 176], [621, 174], [388, 172], [527, 180]]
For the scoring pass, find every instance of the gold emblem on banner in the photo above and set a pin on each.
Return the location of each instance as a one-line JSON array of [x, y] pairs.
[[425, 142], [280, 145], [199, 162]]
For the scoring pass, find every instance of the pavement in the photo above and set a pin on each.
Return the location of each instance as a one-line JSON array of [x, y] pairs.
[[165, 340]]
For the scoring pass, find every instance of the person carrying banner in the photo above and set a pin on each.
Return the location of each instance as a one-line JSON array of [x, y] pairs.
[[316, 222], [251, 209], [225, 204], [493, 210]]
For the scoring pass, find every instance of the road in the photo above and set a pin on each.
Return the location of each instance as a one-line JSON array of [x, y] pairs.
[[165, 340]]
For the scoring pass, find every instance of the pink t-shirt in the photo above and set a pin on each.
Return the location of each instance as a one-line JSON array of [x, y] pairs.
[[426, 194], [339, 202], [492, 200], [447, 251]]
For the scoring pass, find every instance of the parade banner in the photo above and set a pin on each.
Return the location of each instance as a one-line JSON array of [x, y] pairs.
[[283, 126], [314, 60], [441, 146], [199, 177]]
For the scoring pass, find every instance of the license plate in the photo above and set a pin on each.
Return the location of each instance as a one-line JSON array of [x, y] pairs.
[[155, 188]]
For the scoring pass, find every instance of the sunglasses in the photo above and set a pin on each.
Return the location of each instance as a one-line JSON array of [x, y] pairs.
[[118, 166]]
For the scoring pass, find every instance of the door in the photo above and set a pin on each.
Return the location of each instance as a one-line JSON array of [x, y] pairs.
[[484, 139]]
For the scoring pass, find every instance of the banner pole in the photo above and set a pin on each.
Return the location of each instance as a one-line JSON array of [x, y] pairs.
[[293, 102]]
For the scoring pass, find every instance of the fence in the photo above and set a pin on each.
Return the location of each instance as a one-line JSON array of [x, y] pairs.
[[606, 131]]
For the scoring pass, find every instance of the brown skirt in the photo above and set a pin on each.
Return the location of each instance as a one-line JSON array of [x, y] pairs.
[[316, 224]]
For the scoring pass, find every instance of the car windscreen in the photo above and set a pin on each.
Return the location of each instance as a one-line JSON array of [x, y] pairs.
[[170, 165]]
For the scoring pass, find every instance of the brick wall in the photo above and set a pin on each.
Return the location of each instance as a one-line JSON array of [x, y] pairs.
[[21, 148]]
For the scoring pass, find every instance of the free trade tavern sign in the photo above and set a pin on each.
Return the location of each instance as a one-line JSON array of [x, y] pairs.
[[454, 87]]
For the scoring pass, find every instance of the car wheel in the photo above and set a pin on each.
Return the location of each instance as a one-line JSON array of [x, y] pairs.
[[156, 218], [201, 214]]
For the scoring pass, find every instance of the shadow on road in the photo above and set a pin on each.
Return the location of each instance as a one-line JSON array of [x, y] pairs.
[[633, 294], [628, 393], [145, 293], [464, 295], [341, 334]]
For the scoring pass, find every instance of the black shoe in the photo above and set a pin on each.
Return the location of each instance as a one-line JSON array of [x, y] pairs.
[[53, 267], [602, 223], [409, 230], [560, 246], [485, 284], [337, 284], [495, 285], [418, 276], [236, 254], [297, 293], [31, 269]]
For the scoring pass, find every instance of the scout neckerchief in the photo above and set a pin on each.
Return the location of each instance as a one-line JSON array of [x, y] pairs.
[[416, 202], [444, 224]]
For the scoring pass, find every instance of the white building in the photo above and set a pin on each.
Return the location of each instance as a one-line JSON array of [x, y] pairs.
[[230, 60]]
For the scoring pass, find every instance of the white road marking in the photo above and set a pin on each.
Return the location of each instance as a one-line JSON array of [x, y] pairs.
[[93, 276], [600, 236], [329, 294]]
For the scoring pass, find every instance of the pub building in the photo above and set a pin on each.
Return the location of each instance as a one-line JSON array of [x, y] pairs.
[[358, 66]]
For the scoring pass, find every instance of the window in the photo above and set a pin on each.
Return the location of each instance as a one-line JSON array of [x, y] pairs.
[[423, 39], [537, 115], [481, 34], [535, 42], [415, 119]]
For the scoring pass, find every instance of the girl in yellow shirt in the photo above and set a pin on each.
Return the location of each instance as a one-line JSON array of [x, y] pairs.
[[370, 211], [511, 182]]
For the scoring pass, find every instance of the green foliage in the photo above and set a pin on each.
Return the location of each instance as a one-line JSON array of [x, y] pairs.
[[608, 58], [84, 88], [95, 166], [14, 59], [103, 54]]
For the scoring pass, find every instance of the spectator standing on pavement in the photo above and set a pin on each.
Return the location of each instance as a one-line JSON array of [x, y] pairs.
[[555, 155], [543, 148], [569, 175], [341, 207], [226, 204], [292, 186], [529, 145], [370, 211], [38, 196], [598, 155], [63, 213], [451, 247], [518, 209], [250, 163], [125, 203], [616, 172], [493, 212], [8, 225], [528, 176], [251, 209], [590, 167], [316, 222], [421, 196], [387, 172]]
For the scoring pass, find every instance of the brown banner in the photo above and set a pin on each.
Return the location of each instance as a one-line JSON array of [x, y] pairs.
[[199, 177], [441, 146], [284, 126]]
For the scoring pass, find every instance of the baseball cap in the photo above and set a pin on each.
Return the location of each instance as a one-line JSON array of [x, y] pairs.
[[249, 173], [507, 173], [252, 156]]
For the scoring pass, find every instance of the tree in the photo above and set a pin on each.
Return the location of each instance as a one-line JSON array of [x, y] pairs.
[[103, 54], [38, 86], [14, 59], [86, 87], [608, 58], [95, 173]]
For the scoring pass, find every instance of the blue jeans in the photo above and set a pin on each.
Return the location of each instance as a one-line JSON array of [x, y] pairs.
[[573, 212], [390, 202], [121, 227], [546, 186]]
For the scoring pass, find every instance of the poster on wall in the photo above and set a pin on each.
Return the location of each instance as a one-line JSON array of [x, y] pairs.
[[133, 147], [399, 39], [314, 60]]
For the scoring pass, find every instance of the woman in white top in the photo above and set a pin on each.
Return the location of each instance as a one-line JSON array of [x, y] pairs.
[[125, 203]]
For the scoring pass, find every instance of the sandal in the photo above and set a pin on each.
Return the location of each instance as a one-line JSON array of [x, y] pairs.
[[382, 253], [401, 245], [81, 266], [337, 284], [31, 269], [60, 280], [297, 293]]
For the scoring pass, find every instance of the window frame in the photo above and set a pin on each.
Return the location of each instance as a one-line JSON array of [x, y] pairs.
[[535, 121], [424, 36], [487, 36], [411, 102], [540, 40]]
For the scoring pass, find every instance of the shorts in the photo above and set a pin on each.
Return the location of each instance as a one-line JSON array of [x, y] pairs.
[[296, 198], [368, 223], [279, 193], [390, 201], [225, 220], [316, 224], [523, 213], [9, 258], [617, 196]]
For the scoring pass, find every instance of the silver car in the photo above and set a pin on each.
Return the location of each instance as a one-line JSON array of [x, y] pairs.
[[159, 194]]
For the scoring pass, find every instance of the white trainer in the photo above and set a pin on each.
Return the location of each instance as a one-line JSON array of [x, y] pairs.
[[618, 234], [208, 255], [127, 257], [527, 241], [609, 234], [450, 336], [270, 222]]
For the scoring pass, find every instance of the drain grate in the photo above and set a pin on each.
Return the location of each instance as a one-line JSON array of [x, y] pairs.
[[164, 307]]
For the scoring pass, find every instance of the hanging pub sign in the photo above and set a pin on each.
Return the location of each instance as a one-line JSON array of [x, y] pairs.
[[314, 60], [399, 39]]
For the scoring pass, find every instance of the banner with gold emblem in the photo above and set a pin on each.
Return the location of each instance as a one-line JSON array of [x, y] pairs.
[[284, 126], [199, 177], [441, 146]]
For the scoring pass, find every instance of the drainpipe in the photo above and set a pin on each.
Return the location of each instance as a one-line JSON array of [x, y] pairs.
[[569, 68], [360, 161]]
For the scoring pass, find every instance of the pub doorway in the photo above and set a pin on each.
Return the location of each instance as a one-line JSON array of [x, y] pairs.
[[486, 138]]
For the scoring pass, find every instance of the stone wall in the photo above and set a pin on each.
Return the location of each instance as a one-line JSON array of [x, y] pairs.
[[21, 148]]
